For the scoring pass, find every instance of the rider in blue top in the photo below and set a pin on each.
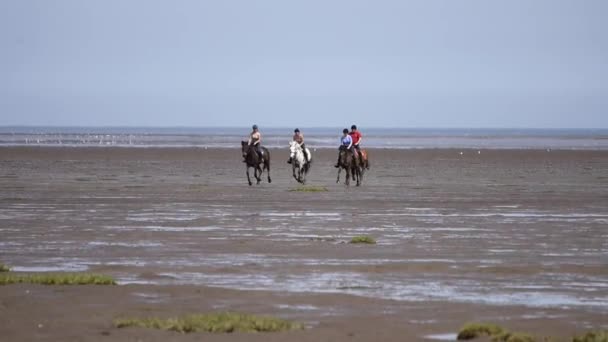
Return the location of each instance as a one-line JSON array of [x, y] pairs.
[[346, 143]]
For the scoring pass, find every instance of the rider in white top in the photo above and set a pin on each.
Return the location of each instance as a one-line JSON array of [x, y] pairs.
[[345, 142], [299, 138]]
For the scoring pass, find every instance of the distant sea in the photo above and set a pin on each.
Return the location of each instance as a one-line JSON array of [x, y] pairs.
[[222, 137]]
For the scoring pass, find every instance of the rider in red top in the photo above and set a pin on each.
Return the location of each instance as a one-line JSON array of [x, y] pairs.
[[357, 137]]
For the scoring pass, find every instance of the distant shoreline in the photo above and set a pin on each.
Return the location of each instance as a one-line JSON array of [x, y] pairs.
[[286, 129], [109, 148], [397, 138]]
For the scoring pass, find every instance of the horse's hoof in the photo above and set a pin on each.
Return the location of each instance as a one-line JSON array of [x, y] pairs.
[[269, 180], [250, 184]]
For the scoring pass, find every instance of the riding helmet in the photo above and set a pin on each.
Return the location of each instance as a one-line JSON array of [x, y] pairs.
[[255, 127], [353, 127], [297, 130], [345, 130]]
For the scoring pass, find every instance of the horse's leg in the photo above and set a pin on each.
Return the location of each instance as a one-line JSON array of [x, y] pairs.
[[248, 179], [303, 175], [361, 172], [255, 172], [347, 169], [267, 166], [258, 174], [338, 179]]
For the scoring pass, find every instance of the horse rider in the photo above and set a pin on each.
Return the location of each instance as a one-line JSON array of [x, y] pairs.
[[255, 139], [299, 138], [346, 142], [357, 137]]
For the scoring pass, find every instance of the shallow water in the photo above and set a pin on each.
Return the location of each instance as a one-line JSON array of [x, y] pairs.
[[453, 271]]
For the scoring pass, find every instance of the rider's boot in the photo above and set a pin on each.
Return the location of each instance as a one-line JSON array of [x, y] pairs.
[[289, 161]]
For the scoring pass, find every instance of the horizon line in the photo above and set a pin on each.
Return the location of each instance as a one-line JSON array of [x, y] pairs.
[[304, 127]]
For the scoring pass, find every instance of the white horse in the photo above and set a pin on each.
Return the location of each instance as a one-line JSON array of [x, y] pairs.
[[299, 162]]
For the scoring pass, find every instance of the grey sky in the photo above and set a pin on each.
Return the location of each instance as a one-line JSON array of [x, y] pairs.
[[403, 63]]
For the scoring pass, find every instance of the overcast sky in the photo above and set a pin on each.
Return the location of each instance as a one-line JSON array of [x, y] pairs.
[[516, 63]]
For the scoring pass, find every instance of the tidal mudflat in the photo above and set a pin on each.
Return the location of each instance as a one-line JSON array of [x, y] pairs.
[[515, 237]]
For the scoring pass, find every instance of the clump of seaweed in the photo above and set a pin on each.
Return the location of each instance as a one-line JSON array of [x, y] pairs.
[[495, 332], [4, 268], [508, 336], [57, 279], [363, 239], [593, 336], [499, 334], [225, 322], [309, 189], [473, 330]]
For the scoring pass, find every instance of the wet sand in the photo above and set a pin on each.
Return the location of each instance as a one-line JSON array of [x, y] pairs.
[[515, 237]]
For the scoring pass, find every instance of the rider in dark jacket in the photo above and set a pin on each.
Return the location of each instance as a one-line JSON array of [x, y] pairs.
[[255, 139]]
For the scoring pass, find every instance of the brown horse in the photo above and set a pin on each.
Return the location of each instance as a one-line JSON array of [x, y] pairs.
[[350, 164], [364, 160], [363, 164], [259, 164]]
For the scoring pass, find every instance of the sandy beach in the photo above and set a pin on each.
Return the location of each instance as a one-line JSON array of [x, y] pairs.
[[514, 237]]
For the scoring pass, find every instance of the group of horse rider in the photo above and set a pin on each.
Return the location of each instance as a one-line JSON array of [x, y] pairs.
[[349, 140]]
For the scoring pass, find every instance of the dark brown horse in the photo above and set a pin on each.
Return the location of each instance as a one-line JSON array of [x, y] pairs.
[[252, 159], [350, 164]]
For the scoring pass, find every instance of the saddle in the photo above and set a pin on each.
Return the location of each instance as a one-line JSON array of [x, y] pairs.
[[259, 150]]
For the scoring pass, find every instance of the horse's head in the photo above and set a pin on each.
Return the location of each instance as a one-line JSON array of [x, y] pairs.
[[244, 148], [293, 148], [344, 156]]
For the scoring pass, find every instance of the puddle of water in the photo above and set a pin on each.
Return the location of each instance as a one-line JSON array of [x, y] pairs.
[[165, 229], [299, 307], [442, 337], [61, 268], [125, 244], [150, 297]]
